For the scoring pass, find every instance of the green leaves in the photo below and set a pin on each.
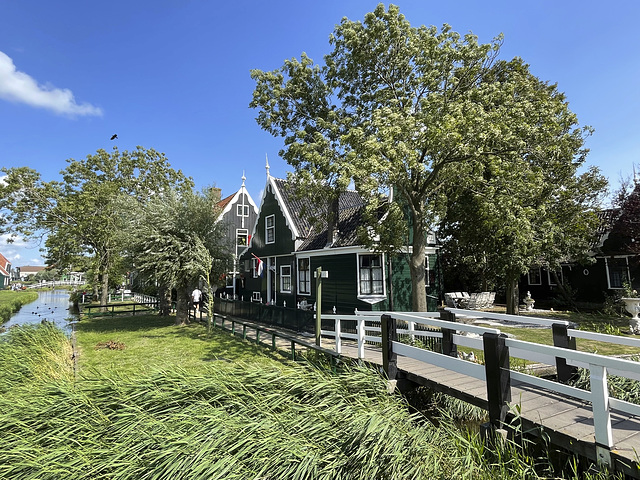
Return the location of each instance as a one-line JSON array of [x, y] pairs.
[[177, 240], [436, 116], [84, 214]]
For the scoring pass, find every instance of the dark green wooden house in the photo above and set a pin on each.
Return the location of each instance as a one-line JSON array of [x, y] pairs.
[[614, 263], [290, 250]]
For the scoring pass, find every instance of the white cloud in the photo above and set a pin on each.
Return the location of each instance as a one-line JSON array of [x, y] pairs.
[[19, 87], [13, 257], [17, 241]]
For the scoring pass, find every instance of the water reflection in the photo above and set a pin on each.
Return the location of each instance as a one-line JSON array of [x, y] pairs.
[[51, 305]]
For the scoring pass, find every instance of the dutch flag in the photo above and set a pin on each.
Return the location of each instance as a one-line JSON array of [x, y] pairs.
[[259, 266]]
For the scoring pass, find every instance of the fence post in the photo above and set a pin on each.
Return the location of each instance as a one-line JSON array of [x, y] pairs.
[[389, 335], [563, 340], [448, 346], [601, 413], [338, 339], [412, 331], [319, 304], [496, 363], [361, 332]]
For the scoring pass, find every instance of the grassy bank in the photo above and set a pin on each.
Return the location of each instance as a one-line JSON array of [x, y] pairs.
[[11, 301], [176, 402]]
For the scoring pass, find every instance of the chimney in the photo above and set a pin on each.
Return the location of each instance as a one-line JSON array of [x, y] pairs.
[[332, 221]]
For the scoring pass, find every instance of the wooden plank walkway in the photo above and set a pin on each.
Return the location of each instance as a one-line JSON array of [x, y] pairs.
[[567, 422]]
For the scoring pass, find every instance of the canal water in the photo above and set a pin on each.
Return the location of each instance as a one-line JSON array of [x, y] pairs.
[[51, 305]]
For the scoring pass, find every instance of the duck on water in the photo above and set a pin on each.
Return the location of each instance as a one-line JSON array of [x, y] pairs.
[[51, 306]]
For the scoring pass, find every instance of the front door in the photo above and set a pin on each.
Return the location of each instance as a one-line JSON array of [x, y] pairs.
[[271, 280]]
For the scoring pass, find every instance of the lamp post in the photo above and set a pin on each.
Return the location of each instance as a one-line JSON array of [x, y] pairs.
[[319, 274]]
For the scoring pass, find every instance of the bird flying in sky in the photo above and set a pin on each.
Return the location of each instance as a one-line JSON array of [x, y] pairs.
[[114, 136]]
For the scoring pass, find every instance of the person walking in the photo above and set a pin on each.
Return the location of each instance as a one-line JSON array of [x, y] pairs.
[[196, 297]]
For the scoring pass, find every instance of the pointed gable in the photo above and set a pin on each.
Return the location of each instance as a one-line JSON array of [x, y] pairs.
[[298, 212], [5, 266]]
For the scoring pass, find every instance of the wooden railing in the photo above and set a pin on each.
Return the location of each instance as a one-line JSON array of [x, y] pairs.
[[113, 309], [382, 329], [55, 283], [240, 327]]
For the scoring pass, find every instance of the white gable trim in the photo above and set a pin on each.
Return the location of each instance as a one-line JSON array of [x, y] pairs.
[[285, 211], [233, 201]]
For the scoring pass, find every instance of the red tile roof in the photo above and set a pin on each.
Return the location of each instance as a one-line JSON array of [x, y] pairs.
[[225, 201], [3, 265]]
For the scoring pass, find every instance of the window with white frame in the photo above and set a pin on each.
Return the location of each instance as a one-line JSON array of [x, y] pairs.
[[304, 276], [552, 280], [617, 272], [270, 229], [256, 297], [242, 237], [534, 276], [242, 210], [285, 278], [254, 267], [370, 275]]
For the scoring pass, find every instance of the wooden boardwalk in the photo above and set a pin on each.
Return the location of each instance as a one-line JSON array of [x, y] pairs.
[[566, 422]]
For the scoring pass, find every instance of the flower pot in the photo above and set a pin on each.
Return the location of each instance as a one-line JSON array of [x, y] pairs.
[[633, 307]]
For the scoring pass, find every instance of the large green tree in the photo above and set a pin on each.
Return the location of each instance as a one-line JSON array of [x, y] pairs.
[[82, 214], [531, 205], [176, 240], [414, 110]]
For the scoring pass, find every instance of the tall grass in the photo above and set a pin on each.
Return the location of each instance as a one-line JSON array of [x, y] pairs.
[[33, 353], [226, 420], [621, 388], [233, 421]]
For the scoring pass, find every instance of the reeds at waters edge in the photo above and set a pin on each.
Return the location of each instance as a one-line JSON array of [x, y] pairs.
[[223, 421]]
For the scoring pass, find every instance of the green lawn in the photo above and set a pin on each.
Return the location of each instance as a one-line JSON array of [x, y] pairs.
[[585, 321], [152, 343]]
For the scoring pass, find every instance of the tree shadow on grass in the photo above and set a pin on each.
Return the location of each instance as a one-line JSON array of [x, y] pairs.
[[123, 323], [223, 345]]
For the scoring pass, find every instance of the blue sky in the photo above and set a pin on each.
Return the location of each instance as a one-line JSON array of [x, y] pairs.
[[173, 75]]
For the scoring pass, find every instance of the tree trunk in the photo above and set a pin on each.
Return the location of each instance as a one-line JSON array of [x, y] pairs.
[[96, 283], [104, 294], [164, 301], [513, 293], [182, 306], [416, 267]]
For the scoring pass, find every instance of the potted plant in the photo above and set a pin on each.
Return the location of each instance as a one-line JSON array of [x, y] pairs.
[[632, 305]]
